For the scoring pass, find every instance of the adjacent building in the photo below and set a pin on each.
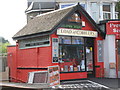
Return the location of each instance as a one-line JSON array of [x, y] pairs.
[[111, 46], [97, 9]]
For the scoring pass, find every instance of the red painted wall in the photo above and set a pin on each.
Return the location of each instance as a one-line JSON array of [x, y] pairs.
[[11, 51], [34, 57], [68, 76], [99, 70]]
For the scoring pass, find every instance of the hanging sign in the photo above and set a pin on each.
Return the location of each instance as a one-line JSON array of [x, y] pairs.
[[75, 32]]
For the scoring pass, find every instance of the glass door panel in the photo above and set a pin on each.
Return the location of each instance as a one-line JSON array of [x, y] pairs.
[[89, 58], [118, 55]]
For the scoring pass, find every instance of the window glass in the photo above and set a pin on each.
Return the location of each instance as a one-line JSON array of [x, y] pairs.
[[106, 8], [100, 50], [65, 40], [106, 12], [75, 18], [72, 55], [34, 42], [77, 40], [89, 58], [74, 21]]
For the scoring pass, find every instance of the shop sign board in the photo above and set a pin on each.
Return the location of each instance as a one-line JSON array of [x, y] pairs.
[[113, 27], [54, 75], [76, 32]]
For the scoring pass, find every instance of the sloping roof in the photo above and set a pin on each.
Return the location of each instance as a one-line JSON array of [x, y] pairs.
[[42, 23], [45, 23]]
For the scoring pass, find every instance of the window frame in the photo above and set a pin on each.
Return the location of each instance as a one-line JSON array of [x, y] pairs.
[[83, 52], [32, 74], [34, 42]]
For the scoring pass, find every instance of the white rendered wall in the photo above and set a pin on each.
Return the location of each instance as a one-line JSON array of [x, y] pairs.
[[109, 56], [94, 9]]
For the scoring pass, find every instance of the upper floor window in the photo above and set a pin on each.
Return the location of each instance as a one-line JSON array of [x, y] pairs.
[[106, 11], [74, 21], [75, 18]]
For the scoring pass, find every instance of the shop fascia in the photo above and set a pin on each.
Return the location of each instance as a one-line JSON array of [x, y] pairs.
[[76, 32]]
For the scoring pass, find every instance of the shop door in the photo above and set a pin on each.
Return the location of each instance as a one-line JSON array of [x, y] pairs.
[[89, 57], [118, 57]]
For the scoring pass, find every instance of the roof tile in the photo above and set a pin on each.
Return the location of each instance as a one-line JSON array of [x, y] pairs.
[[43, 23]]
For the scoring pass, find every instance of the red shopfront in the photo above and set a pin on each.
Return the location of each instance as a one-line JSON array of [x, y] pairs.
[[73, 44]]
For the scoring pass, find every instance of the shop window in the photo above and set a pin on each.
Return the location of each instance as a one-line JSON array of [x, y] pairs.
[[34, 42], [71, 55]]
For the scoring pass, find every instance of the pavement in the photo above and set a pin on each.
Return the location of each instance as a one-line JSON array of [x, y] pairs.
[[92, 84], [113, 83], [82, 84]]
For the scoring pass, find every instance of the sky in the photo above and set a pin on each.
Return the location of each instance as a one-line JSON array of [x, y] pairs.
[[12, 18]]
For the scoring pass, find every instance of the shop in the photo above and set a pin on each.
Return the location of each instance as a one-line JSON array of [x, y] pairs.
[[67, 37], [111, 48]]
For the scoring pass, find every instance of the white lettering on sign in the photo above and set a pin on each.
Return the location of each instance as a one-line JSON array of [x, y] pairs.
[[116, 27], [74, 32], [116, 30]]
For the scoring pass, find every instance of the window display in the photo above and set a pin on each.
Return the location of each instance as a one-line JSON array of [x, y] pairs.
[[71, 55]]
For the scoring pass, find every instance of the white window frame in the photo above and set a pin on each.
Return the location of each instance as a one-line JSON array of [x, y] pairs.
[[106, 15], [32, 74], [36, 45], [106, 12]]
